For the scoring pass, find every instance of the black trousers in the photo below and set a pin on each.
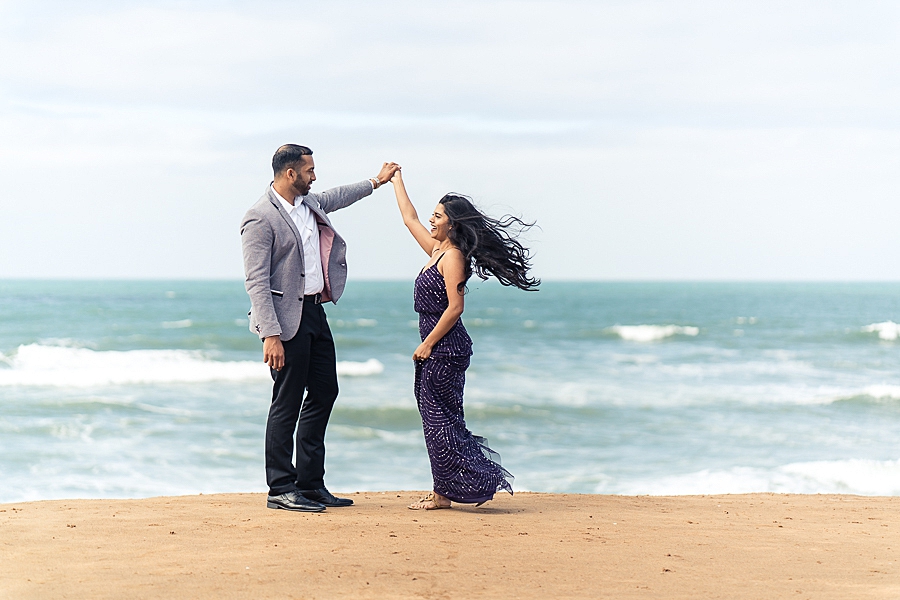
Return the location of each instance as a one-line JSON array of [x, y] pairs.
[[309, 366]]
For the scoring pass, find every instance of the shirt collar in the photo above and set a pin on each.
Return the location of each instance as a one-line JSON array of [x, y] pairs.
[[287, 205]]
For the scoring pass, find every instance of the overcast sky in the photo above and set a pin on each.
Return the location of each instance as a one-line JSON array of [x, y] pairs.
[[649, 140]]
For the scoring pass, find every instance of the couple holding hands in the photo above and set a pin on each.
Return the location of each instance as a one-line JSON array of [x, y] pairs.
[[294, 261]]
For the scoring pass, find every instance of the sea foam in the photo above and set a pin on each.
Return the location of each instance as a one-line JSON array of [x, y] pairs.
[[881, 392], [180, 324], [651, 333], [887, 330], [62, 366], [348, 368], [853, 476]]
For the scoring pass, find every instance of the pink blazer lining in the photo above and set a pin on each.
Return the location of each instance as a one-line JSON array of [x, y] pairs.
[[326, 241]]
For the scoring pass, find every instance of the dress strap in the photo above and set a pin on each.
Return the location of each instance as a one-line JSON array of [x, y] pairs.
[[439, 259]]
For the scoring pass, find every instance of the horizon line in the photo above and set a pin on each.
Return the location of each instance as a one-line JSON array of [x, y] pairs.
[[471, 281]]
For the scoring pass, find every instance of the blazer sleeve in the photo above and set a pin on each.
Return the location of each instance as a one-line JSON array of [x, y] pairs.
[[256, 242], [343, 196]]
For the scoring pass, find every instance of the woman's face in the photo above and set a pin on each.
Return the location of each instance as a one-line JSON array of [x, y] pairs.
[[440, 224]]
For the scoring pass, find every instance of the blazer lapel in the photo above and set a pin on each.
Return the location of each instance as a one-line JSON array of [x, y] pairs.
[[287, 218], [314, 207]]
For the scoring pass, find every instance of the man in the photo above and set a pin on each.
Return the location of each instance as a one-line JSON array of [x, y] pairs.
[[294, 261]]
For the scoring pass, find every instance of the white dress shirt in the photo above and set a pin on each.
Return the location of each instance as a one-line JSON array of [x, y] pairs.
[[306, 223]]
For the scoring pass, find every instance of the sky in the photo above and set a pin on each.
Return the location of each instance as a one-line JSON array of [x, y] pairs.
[[648, 140]]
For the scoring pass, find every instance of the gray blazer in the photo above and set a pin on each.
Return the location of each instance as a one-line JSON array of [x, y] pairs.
[[273, 258]]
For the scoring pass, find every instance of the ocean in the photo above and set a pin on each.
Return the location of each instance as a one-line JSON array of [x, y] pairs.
[[125, 389]]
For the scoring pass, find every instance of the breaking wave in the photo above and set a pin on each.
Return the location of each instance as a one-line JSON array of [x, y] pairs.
[[853, 476], [62, 366], [651, 333], [887, 330]]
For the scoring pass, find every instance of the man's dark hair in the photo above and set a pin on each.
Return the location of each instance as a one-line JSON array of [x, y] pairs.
[[288, 156]]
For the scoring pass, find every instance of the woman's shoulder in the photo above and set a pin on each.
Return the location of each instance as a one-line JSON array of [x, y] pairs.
[[453, 260], [453, 253]]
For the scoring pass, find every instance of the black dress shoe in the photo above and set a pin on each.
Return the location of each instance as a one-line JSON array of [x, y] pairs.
[[294, 501], [326, 498]]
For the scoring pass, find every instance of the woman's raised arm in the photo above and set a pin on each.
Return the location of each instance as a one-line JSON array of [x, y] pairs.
[[410, 217]]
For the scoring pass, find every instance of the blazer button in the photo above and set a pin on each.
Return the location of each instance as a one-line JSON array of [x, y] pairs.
[[302, 274]]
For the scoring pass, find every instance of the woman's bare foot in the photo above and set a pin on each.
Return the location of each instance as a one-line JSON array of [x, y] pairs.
[[432, 501]]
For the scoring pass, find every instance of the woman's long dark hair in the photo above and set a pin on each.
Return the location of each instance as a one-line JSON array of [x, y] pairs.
[[489, 245]]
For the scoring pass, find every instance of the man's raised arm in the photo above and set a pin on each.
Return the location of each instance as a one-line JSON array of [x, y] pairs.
[[345, 195]]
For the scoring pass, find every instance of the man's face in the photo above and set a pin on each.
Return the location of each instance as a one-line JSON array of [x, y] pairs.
[[302, 175]]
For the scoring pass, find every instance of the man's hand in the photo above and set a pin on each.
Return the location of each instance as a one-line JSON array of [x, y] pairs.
[[387, 171], [273, 352]]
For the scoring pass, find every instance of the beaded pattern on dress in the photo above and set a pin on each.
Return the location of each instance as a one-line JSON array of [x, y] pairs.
[[430, 301], [464, 468]]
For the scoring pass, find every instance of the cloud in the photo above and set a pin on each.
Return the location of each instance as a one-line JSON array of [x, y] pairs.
[[649, 139], [625, 60]]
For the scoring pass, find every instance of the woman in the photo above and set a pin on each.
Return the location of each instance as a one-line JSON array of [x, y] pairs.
[[461, 240]]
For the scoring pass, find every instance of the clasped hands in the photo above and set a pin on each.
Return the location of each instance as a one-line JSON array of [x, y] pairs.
[[387, 172]]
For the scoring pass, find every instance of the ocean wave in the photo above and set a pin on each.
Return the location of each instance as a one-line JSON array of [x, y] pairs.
[[853, 476], [412, 437], [353, 323], [349, 368], [887, 330], [183, 324], [66, 366], [118, 403], [478, 322], [863, 395], [651, 333], [66, 342], [883, 391]]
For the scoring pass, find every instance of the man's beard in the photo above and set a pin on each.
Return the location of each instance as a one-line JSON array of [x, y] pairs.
[[301, 188]]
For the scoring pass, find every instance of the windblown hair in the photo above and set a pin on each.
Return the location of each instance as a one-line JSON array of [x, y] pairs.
[[489, 245], [287, 157]]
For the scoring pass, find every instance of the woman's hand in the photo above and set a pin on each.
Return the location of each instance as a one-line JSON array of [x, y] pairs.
[[422, 352], [396, 177], [387, 171]]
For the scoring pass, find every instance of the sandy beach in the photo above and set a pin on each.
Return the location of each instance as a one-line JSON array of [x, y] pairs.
[[527, 546]]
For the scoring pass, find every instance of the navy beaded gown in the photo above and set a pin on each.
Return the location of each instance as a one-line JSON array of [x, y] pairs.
[[464, 468]]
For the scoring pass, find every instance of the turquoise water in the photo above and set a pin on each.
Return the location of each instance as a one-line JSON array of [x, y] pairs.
[[131, 389]]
